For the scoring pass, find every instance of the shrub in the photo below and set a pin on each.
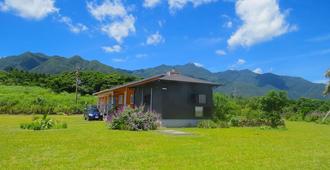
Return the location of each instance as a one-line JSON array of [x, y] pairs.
[[272, 106], [224, 108], [234, 121], [133, 119], [222, 124], [207, 124], [212, 124], [43, 123]]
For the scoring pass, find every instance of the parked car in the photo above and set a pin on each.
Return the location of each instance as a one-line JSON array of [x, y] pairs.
[[92, 113]]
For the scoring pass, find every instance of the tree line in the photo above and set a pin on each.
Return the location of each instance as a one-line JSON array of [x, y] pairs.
[[89, 81]]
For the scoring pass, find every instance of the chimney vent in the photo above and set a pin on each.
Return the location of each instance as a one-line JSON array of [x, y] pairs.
[[172, 72]]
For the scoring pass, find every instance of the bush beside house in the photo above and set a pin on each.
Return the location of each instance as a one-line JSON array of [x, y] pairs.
[[134, 119]]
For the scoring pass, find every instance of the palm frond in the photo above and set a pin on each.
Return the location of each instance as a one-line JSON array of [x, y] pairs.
[[327, 74], [327, 89]]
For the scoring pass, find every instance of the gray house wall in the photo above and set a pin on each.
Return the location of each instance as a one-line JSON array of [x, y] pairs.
[[175, 100]]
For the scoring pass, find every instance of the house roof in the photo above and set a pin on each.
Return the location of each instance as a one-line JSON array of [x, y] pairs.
[[169, 76]]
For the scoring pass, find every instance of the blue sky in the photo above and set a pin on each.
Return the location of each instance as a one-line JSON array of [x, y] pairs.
[[287, 37]]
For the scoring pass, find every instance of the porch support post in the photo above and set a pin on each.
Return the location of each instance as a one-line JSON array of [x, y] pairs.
[[112, 100], [125, 96], [150, 99]]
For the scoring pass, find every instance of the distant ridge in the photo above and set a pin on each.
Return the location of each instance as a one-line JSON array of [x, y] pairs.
[[40, 63], [236, 82]]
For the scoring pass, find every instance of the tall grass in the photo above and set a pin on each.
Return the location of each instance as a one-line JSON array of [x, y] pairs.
[[37, 100]]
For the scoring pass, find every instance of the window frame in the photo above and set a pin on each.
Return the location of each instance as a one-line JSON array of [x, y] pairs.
[[199, 113]]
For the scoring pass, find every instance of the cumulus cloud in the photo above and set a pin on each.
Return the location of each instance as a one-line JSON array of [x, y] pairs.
[[112, 9], [258, 71], [262, 21], [198, 64], [75, 28], [113, 49], [155, 39], [220, 52], [151, 3], [176, 5], [30, 9], [115, 21], [120, 29]]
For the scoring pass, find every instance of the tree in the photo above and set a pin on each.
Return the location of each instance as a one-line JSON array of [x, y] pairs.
[[224, 107], [327, 87], [272, 106]]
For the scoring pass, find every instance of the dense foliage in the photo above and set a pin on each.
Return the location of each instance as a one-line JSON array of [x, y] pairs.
[[89, 82], [44, 123], [133, 119], [272, 106], [268, 110], [37, 100]]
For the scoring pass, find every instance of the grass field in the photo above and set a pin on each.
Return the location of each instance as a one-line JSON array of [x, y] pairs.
[[90, 145]]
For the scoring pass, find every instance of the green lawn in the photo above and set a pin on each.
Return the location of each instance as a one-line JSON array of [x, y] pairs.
[[90, 145]]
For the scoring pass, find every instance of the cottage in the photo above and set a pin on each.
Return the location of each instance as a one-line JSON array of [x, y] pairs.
[[180, 100]]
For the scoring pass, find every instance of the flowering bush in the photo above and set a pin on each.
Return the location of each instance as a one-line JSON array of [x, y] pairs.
[[133, 119]]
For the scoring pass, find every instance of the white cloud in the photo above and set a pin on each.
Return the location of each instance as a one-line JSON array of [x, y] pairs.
[[30, 9], [75, 28], [120, 29], [220, 52], [155, 39], [151, 3], [112, 9], [114, 18], [161, 23], [228, 24], [238, 63], [198, 64], [262, 21], [113, 49], [176, 5], [258, 71]]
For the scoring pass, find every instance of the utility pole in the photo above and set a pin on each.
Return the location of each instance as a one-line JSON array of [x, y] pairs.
[[77, 83]]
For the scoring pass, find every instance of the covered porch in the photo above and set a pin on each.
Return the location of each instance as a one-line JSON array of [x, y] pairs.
[[109, 100]]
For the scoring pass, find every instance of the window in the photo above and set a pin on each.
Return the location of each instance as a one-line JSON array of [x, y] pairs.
[[132, 99], [202, 99], [199, 110], [120, 99]]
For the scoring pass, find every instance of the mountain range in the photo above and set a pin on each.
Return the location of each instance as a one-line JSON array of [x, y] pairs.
[[235, 82]]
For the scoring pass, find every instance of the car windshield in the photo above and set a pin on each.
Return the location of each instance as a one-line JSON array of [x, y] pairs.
[[93, 109]]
